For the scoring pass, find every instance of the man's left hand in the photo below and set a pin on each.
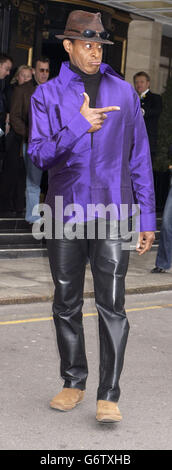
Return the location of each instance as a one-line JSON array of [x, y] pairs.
[[145, 242]]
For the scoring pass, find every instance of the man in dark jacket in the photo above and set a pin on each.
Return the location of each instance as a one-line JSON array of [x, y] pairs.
[[5, 67], [151, 105], [19, 117]]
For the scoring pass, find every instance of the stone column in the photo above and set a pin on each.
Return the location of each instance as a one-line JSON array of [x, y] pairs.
[[143, 52]]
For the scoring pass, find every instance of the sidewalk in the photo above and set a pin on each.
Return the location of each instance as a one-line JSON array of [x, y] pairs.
[[25, 280]]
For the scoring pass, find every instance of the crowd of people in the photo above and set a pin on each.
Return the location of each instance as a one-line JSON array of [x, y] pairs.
[[20, 180]]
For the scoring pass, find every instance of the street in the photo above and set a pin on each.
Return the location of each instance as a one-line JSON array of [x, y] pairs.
[[30, 378]]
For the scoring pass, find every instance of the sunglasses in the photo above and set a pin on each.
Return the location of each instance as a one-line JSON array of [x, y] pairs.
[[89, 33], [44, 70]]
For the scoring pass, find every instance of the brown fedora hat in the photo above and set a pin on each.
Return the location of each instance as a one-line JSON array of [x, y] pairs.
[[86, 27]]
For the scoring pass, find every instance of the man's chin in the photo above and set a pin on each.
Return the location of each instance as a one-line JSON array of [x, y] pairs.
[[92, 69]]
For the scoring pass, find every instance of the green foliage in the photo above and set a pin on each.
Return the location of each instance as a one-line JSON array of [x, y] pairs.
[[163, 159]]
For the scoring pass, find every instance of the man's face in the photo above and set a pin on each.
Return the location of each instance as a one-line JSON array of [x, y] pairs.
[[85, 55], [5, 69], [41, 72], [141, 84]]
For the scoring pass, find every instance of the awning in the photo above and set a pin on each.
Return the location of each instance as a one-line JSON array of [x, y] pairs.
[[155, 10]]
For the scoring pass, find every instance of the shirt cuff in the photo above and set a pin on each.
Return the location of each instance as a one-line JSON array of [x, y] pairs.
[[147, 222], [79, 125]]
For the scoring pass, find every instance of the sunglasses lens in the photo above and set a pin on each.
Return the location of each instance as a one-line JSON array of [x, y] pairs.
[[104, 35], [88, 33]]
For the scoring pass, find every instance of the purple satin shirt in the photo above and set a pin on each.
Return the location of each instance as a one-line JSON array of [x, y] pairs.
[[116, 169]]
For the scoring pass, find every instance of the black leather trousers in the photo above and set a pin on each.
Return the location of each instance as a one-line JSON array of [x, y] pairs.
[[109, 263]]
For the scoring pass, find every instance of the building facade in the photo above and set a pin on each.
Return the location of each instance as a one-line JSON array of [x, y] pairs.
[[28, 28]]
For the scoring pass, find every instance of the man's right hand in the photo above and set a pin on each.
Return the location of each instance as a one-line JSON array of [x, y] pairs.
[[95, 116]]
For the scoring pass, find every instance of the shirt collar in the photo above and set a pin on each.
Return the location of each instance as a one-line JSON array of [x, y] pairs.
[[144, 93], [66, 74]]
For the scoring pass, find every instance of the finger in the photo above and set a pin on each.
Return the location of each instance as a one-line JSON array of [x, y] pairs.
[[108, 109], [101, 119], [139, 241], [86, 100], [143, 250], [145, 246], [100, 116], [95, 128], [140, 244]]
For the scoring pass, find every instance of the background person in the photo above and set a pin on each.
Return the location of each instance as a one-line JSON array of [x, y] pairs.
[[19, 118], [23, 74], [151, 104], [5, 68], [13, 183]]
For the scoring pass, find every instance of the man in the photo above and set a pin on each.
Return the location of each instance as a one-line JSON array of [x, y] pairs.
[[151, 105], [41, 70], [5, 68], [91, 151], [19, 121]]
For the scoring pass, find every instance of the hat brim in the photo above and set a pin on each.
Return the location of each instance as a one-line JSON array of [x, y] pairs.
[[81, 38]]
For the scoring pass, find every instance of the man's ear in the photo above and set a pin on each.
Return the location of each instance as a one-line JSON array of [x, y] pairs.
[[67, 45]]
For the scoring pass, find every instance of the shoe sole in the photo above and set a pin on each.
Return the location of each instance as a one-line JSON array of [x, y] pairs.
[[159, 272], [108, 420], [64, 408]]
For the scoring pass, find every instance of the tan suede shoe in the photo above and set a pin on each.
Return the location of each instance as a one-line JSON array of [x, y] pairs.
[[67, 399], [107, 412]]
